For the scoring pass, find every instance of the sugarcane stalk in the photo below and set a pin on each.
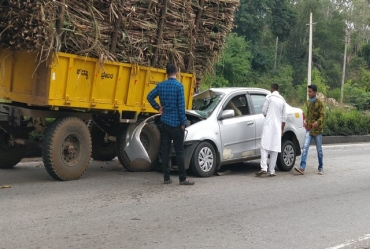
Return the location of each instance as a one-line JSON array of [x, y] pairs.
[[117, 25], [160, 32], [60, 20]]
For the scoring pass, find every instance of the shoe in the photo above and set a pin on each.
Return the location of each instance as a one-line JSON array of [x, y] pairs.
[[272, 175], [259, 173], [168, 181], [299, 170], [187, 182], [321, 172]]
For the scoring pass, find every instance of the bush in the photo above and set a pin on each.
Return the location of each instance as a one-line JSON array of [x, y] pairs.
[[357, 97], [334, 93], [340, 122]]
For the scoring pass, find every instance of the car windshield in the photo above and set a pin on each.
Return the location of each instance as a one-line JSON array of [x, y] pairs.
[[205, 103]]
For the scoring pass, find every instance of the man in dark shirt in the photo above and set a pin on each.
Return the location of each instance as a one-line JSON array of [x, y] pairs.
[[172, 108]]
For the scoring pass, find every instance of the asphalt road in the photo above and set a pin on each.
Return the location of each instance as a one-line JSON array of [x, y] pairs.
[[112, 208]]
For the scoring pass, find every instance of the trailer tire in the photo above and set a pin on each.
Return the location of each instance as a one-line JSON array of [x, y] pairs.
[[66, 148], [151, 139], [101, 150], [9, 155]]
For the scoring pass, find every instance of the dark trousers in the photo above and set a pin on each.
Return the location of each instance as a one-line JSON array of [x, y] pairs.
[[176, 134]]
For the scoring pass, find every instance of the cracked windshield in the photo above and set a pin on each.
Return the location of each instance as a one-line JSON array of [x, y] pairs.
[[206, 103]]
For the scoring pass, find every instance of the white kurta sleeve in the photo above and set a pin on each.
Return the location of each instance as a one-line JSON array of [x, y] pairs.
[[266, 106]]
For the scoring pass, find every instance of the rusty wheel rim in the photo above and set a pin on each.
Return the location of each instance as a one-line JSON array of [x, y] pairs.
[[71, 149]]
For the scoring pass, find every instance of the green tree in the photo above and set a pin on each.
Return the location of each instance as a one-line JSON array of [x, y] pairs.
[[234, 65], [364, 83], [365, 53], [355, 67], [262, 61], [328, 41], [252, 17], [319, 81], [356, 13], [359, 74], [283, 19], [316, 79], [356, 96], [261, 22]]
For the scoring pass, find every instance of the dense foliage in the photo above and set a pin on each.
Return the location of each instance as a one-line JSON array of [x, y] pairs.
[[270, 44], [339, 122]]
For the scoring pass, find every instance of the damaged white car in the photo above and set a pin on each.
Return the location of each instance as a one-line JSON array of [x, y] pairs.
[[225, 127]]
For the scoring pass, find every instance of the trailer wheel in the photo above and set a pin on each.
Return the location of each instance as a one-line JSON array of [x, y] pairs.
[[151, 139], [9, 155], [102, 149], [66, 148]]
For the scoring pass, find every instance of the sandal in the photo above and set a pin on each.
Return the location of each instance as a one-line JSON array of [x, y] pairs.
[[299, 170]]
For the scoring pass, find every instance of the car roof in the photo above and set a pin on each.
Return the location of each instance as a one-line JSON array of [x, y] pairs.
[[228, 90]]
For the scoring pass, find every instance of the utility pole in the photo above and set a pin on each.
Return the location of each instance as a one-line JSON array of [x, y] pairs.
[[346, 40], [276, 50], [309, 53]]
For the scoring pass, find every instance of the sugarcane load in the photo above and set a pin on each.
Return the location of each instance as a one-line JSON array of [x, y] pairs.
[[189, 33]]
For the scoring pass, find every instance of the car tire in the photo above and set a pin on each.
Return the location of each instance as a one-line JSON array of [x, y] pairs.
[[203, 162], [286, 159]]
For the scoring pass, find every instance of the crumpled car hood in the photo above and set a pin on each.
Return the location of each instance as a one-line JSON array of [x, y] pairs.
[[194, 113]]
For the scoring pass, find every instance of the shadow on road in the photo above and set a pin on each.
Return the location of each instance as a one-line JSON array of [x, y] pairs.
[[242, 168], [31, 170]]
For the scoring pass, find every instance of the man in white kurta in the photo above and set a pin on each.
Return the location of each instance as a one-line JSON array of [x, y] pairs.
[[274, 111]]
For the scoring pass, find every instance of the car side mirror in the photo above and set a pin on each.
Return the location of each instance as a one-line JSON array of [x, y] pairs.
[[227, 114]]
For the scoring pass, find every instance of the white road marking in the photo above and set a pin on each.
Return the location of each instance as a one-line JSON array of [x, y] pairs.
[[350, 242]]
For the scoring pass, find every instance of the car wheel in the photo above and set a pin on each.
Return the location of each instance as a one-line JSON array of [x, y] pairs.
[[286, 159], [204, 160]]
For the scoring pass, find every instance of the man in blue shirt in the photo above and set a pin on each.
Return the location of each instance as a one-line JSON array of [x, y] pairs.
[[172, 109]]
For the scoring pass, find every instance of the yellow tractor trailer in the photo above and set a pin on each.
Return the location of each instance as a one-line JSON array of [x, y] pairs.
[[75, 108]]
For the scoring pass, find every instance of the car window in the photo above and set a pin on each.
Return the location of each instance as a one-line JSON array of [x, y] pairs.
[[239, 104], [257, 101]]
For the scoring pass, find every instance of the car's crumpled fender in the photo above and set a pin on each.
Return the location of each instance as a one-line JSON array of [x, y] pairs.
[[133, 147]]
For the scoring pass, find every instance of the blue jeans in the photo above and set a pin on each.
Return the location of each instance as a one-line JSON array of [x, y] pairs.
[[306, 146]]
